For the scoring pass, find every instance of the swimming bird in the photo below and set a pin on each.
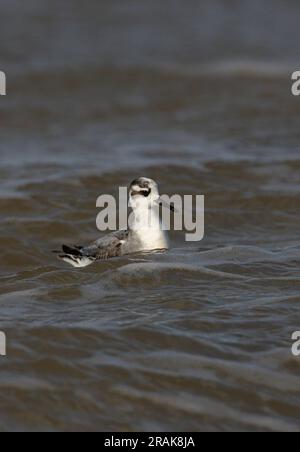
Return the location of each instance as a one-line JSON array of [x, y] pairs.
[[145, 232]]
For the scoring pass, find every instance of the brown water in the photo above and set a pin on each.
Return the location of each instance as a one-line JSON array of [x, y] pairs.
[[198, 338]]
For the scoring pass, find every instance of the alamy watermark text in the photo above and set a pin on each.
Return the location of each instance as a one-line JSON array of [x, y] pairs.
[[296, 343], [296, 83], [2, 84], [2, 344], [188, 214]]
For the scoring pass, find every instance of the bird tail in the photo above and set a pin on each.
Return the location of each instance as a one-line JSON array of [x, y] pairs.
[[75, 256]]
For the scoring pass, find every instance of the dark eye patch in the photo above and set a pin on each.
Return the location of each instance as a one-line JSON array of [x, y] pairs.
[[146, 193]]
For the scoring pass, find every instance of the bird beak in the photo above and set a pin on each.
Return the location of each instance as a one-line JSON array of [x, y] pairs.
[[164, 204]]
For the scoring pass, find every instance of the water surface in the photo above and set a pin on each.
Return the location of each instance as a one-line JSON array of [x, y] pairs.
[[195, 339]]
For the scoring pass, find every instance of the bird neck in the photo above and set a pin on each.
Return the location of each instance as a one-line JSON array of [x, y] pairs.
[[146, 216]]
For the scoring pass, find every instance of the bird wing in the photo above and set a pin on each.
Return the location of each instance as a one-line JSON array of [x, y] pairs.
[[106, 247]]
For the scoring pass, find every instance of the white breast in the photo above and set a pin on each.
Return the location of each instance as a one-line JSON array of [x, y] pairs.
[[153, 239], [149, 229]]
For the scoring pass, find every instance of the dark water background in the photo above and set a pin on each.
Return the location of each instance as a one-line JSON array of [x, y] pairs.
[[194, 94]]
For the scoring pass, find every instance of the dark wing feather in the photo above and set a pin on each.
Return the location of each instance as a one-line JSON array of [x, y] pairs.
[[75, 251], [106, 247]]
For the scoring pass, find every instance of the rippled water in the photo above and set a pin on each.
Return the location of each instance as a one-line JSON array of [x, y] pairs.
[[195, 339]]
